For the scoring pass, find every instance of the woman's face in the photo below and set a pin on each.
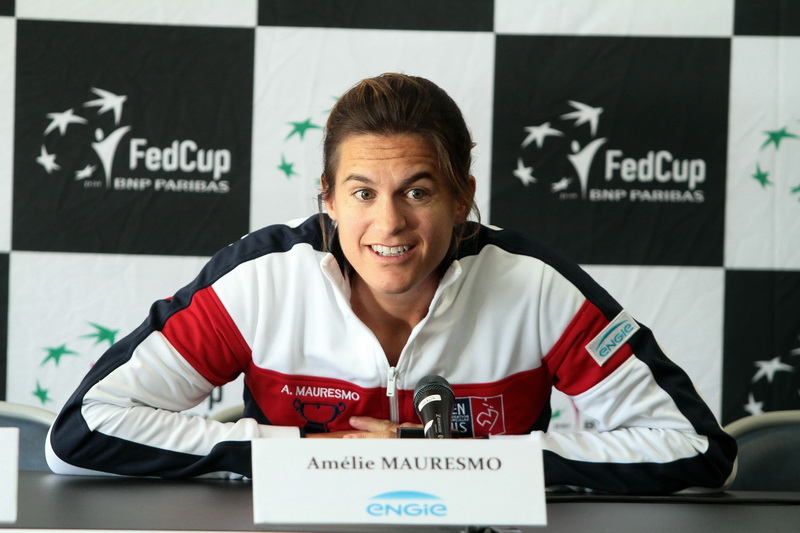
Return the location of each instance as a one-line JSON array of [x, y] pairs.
[[395, 213]]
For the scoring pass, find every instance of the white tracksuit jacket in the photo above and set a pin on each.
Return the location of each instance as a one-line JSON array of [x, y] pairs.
[[510, 320]]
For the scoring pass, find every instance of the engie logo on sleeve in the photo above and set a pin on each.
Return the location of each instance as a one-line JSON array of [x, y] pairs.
[[613, 336]]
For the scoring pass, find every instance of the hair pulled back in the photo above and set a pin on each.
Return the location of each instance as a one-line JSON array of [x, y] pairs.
[[398, 104]]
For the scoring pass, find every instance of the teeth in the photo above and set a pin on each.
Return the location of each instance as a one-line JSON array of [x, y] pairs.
[[387, 251]]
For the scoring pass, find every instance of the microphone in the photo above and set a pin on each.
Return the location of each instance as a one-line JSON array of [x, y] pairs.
[[433, 401]]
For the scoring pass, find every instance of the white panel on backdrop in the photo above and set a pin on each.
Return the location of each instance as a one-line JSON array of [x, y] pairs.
[[65, 310], [8, 47], [712, 18], [762, 215], [684, 308], [175, 12], [301, 71]]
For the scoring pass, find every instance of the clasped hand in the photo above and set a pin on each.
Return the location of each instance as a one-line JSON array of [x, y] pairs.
[[365, 427]]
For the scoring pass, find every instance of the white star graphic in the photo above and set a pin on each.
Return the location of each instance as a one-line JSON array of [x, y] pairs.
[[85, 172], [48, 161], [584, 113], [560, 185], [62, 120], [525, 174], [768, 369], [108, 101], [539, 133], [753, 407]]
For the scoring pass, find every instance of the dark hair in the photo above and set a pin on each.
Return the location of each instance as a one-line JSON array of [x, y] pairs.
[[397, 104]]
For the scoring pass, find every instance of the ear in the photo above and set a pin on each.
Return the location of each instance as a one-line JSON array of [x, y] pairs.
[[327, 196], [463, 209]]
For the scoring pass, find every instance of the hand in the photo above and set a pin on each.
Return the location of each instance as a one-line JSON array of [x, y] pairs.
[[365, 427], [375, 428]]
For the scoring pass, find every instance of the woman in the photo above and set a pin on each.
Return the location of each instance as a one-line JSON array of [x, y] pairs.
[[334, 320]]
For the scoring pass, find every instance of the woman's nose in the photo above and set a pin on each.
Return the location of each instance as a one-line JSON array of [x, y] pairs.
[[390, 216]]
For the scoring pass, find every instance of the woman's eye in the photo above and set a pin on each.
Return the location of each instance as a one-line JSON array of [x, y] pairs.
[[416, 194], [364, 194]]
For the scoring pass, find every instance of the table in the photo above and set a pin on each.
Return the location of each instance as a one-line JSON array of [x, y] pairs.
[[49, 501]]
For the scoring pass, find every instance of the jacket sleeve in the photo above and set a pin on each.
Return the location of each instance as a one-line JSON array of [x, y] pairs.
[[654, 434], [125, 417]]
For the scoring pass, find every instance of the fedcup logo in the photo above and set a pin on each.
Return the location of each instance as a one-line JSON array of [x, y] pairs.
[[766, 370], [777, 161], [652, 176], [94, 138], [406, 504], [105, 146]]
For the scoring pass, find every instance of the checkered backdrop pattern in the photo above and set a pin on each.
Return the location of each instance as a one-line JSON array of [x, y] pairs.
[[657, 143]]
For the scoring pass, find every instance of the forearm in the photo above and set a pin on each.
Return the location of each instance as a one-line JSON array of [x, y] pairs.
[[654, 433], [144, 441], [126, 418], [635, 460]]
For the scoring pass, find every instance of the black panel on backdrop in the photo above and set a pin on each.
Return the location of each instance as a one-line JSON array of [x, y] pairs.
[[613, 149], [132, 139], [767, 17], [7, 8], [761, 364], [3, 323], [442, 15]]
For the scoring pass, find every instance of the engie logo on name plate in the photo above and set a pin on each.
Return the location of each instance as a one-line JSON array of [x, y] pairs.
[[406, 504], [132, 139]]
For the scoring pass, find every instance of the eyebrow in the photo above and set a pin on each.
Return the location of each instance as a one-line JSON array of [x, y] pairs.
[[406, 182]]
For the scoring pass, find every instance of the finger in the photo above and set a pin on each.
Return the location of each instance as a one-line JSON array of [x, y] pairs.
[[367, 423], [331, 435], [371, 435]]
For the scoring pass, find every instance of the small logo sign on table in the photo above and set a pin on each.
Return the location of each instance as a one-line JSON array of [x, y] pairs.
[[488, 482], [9, 466]]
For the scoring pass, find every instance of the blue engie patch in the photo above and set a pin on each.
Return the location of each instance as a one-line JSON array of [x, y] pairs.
[[612, 338], [406, 503]]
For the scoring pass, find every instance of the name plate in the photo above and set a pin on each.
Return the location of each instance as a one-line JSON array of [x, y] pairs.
[[482, 482], [9, 468]]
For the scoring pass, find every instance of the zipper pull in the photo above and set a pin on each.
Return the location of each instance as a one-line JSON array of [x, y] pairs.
[[391, 382]]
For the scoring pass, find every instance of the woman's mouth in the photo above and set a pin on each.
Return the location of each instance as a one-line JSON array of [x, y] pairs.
[[389, 251]]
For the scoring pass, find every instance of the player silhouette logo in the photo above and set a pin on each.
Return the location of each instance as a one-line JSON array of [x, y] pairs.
[[105, 145], [564, 143]]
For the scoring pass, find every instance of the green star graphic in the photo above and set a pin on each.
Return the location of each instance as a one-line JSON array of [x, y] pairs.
[[301, 127], [42, 394], [761, 176], [102, 334], [335, 99], [776, 137], [287, 168], [795, 190], [56, 353]]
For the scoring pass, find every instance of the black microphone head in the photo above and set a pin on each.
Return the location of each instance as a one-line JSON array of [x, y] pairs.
[[433, 401], [433, 384]]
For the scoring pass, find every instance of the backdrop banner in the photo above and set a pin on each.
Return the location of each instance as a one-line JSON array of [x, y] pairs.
[[657, 143]]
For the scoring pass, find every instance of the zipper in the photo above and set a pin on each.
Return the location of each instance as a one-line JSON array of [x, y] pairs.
[[391, 393]]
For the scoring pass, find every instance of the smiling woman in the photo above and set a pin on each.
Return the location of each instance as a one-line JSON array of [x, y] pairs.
[[388, 284], [396, 219], [394, 104], [397, 155]]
